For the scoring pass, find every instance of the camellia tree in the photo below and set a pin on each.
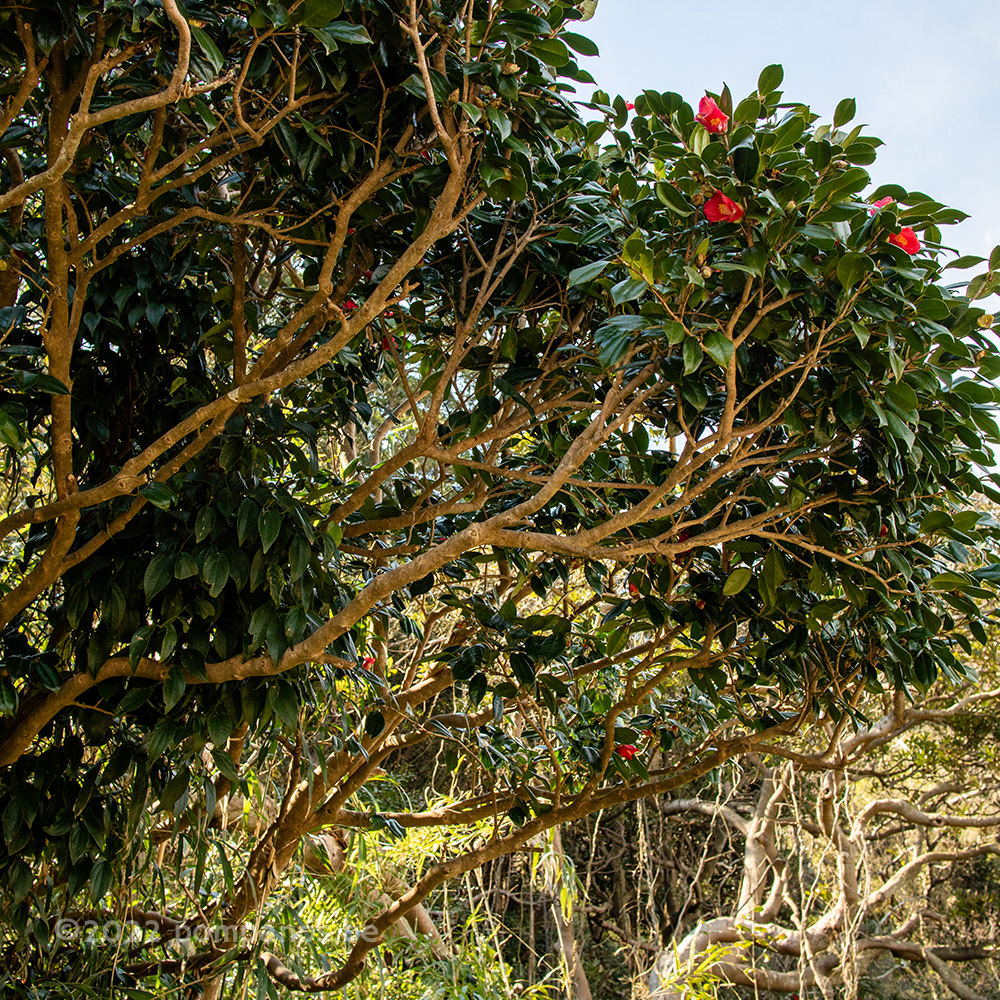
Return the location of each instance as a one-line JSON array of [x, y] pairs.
[[359, 397]]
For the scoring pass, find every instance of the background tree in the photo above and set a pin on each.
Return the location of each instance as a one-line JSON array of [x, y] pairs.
[[360, 397], [867, 858]]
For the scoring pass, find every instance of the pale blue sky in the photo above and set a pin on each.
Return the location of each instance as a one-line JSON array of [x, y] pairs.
[[926, 77]]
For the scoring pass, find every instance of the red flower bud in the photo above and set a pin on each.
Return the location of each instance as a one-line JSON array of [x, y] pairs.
[[906, 239], [700, 604], [368, 662], [719, 208], [881, 203], [629, 106], [883, 531], [388, 342], [367, 275], [350, 305], [626, 750], [350, 232], [633, 589], [712, 116]]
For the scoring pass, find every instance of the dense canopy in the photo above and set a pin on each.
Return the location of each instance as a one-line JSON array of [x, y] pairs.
[[370, 397]]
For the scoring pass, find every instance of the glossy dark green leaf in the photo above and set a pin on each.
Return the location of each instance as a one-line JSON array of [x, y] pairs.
[[770, 79], [845, 111], [719, 347], [737, 580], [673, 199], [374, 724], [159, 495], [285, 701], [853, 267], [101, 877], [159, 573], [269, 527], [173, 687], [587, 272]]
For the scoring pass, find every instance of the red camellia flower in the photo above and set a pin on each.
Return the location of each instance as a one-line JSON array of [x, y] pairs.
[[368, 662], [881, 203], [350, 305], [626, 750], [388, 343], [712, 116], [719, 208], [906, 239]]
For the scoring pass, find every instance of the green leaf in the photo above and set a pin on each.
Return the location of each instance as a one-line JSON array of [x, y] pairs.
[[851, 408], [139, 644], [246, 517], [21, 880], [934, 521], [719, 347], [285, 702], [225, 764], [692, 355], [269, 526], [174, 789], [746, 163], [627, 290], [159, 573], [587, 272], [852, 268], [614, 336], [10, 432], [298, 557], [12, 818], [317, 13], [846, 110], [673, 199], [747, 110], [352, 34], [965, 262], [737, 580], [551, 51], [675, 331], [164, 735], [204, 523], [100, 879], [477, 688], [500, 122], [208, 48], [374, 724], [774, 573], [414, 84], [173, 687], [185, 566], [580, 43], [770, 79], [902, 398], [216, 573], [899, 430], [159, 495]]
